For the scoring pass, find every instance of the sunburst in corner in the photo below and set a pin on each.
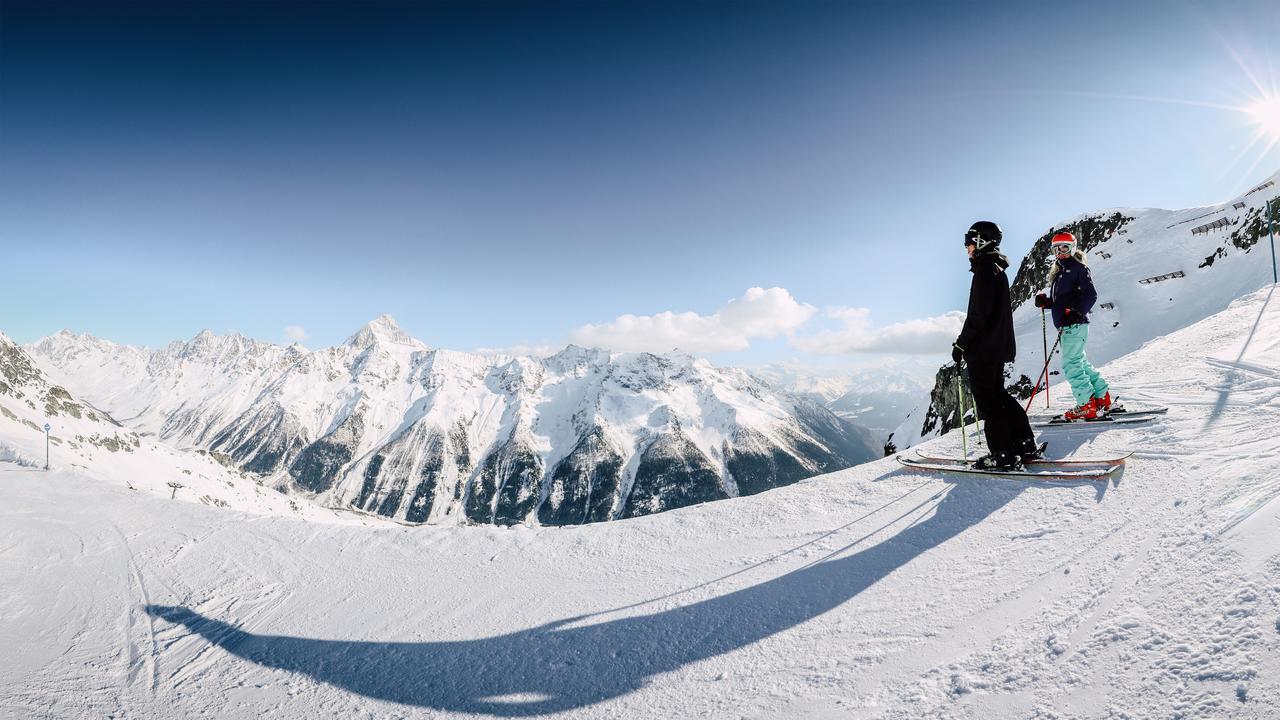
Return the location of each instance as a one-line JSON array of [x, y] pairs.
[[1265, 114], [1262, 113]]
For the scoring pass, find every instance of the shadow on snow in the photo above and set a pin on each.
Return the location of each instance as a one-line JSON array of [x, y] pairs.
[[569, 664]]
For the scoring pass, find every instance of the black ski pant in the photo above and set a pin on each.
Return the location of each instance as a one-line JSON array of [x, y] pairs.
[[1006, 426]]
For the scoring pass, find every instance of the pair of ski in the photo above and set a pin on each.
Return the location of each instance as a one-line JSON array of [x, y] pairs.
[[1066, 469], [1119, 416]]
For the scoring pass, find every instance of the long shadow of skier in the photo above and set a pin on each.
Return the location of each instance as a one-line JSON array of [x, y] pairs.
[[1235, 377], [566, 664]]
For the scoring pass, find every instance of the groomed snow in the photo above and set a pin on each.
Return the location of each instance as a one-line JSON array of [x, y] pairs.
[[872, 592]]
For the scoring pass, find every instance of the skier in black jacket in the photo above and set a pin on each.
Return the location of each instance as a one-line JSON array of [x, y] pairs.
[[985, 344]]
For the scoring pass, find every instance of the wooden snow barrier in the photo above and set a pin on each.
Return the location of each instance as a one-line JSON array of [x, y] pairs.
[[1158, 278], [1263, 186], [1198, 217], [1204, 229]]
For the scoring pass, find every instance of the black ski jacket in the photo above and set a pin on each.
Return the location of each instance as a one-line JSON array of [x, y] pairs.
[[987, 335]]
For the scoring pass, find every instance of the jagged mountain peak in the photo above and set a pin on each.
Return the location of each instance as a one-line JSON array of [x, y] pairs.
[[382, 330], [573, 356], [66, 344]]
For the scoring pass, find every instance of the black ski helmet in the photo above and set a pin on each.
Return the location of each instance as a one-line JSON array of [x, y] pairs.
[[984, 234]]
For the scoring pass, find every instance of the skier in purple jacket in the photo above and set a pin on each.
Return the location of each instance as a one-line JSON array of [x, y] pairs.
[[1071, 297]]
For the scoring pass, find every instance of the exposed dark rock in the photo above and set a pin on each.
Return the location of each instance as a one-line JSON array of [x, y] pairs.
[[672, 473], [1219, 253], [424, 494], [317, 466], [508, 486], [260, 441], [584, 485], [757, 464], [1254, 227], [16, 370], [1033, 272], [57, 401]]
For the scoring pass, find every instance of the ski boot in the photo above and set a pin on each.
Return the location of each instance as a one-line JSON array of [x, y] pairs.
[[1031, 452], [999, 462], [1087, 411], [1102, 405]]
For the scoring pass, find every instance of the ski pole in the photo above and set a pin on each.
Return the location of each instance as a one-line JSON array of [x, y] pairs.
[[1044, 374], [964, 427], [972, 404], [1044, 341]]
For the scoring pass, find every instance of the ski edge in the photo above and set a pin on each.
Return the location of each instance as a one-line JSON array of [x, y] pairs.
[[1095, 423], [1065, 475], [1113, 415], [1048, 461]]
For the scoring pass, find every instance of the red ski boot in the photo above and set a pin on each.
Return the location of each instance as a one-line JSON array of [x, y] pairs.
[[1102, 405], [1087, 411]]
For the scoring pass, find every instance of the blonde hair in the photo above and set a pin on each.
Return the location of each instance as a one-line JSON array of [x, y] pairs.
[[1053, 271]]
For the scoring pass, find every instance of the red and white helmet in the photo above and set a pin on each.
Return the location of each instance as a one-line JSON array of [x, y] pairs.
[[1063, 243]]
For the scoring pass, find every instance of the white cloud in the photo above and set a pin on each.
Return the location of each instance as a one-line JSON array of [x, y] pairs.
[[538, 350], [295, 333], [859, 335], [759, 313]]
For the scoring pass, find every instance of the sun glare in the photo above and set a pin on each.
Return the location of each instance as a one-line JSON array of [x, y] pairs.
[[1266, 113]]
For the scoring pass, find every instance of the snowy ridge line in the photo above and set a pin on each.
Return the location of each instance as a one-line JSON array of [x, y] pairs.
[[388, 426], [1183, 222]]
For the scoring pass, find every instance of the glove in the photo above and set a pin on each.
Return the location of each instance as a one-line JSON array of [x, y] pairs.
[[957, 354], [1043, 301]]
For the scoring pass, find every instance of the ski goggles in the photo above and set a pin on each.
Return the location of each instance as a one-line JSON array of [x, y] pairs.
[[1063, 249]]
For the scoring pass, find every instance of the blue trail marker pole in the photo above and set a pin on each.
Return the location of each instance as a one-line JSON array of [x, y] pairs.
[[46, 446], [1271, 230]]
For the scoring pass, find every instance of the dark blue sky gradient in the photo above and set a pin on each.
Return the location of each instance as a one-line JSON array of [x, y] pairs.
[[498, 173]]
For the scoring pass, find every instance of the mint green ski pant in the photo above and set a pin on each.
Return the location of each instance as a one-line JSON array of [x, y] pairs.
[[1085, 381]]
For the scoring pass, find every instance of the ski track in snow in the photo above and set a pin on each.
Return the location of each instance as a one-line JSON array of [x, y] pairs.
[[876, 592]]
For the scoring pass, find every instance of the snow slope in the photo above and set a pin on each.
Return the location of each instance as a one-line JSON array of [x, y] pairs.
[[91, 442], [871, 592]]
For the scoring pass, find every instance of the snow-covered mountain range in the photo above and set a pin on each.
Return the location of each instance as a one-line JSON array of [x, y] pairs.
[[384, 424], [1155, 270], [87, 439]]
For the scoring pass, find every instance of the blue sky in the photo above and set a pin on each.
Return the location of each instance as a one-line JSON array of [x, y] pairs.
[[523, 174]]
